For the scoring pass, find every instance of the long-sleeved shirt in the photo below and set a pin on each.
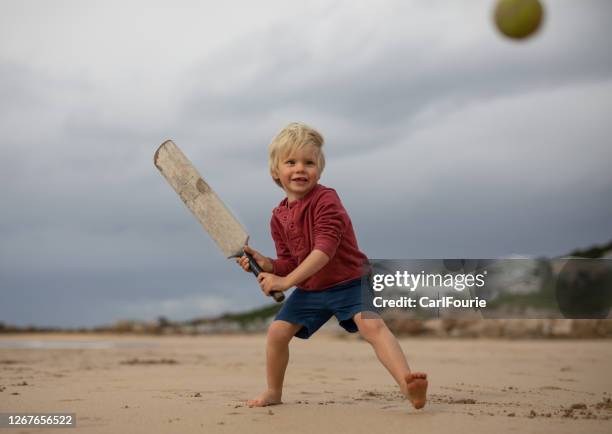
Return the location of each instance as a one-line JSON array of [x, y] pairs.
[[317, 221]]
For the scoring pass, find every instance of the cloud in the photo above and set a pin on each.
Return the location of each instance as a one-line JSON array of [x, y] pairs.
[[443, 140]]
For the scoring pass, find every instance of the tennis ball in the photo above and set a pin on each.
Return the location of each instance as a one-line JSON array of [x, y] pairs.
[[518, 19]]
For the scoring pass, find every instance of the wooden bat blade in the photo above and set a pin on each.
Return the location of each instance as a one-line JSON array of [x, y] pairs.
[[202, 201]]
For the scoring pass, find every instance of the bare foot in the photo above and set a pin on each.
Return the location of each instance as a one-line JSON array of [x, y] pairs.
[[265, 399], [416, 389]]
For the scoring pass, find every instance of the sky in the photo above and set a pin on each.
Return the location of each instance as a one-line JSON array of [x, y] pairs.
[[444, 139]]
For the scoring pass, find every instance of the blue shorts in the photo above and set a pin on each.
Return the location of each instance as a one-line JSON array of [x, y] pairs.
[[312, 309]]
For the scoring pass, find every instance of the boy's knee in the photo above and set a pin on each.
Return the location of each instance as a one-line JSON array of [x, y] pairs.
[[370, 328], [280, 332]]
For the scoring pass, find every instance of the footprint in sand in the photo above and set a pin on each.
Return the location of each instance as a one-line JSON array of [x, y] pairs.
[[551, 388], [462, 401]]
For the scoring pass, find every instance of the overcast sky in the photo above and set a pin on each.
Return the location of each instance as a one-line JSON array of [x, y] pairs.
[[443, 139]]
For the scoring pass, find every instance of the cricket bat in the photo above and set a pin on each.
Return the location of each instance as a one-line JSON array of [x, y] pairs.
[[225, 230]]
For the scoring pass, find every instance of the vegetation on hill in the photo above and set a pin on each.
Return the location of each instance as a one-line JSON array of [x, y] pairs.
[[593, 252]]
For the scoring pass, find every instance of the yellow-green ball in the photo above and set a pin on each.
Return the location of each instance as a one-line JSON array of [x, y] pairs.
[[518, 19]]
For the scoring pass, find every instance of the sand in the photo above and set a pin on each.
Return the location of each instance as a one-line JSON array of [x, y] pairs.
[[189, 384]]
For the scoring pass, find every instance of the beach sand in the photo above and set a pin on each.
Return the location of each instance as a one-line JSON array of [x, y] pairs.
[[198, 384]]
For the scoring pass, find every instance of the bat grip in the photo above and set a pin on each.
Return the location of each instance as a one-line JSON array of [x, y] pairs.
[[256, 269]]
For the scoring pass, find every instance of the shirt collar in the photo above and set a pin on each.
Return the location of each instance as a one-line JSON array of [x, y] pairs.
[[285, 203]]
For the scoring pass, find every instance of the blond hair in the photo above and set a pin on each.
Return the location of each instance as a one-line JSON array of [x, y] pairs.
[[294, 136]]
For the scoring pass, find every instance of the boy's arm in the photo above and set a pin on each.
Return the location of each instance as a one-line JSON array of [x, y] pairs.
[[309, 266], [330, 221]]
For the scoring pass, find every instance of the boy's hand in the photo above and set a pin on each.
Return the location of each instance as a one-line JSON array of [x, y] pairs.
[[271, 282], [262, 261]]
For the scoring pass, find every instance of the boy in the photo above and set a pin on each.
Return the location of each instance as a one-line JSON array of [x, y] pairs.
[[317, 251]]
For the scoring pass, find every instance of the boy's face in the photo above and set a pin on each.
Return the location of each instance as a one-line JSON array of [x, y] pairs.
[[298, 172]]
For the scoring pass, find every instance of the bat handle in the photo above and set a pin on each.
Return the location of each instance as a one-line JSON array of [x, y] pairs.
[[256, 269], [278, 296]]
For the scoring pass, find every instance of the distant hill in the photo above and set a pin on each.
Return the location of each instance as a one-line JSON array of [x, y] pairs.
[[594, 252], [244, 319]]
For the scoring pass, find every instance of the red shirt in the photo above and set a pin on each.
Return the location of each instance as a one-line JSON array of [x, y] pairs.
[[317, 221]]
